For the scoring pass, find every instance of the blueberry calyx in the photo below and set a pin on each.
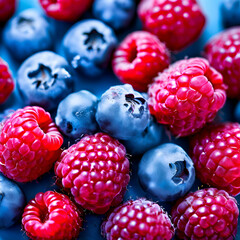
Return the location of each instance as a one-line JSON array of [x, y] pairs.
[[181, 171], [1, 196], [94, 40], [42, 77], [69, 127], [24, 23], [135, 105]]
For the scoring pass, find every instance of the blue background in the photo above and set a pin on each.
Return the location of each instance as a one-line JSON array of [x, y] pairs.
[[97, 86]]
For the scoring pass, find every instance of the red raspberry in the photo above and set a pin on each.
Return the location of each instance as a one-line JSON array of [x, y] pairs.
[[223, 53], [187, 95], [139, 58], [29, 144], [7, 9], [51, 216], [66, 10], [207, 214], [6, 81], [139, 219], [96, 172], [215, 152], [177, 23]]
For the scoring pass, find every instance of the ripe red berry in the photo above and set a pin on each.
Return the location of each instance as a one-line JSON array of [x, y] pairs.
[[139, 219], [66, 10], [7, 9], [29, 144], [186, 96], [177, 23], [208, 214], [6, 81], [215, 152], [96, 172], [139, 58], [51, 216], [223, 53]]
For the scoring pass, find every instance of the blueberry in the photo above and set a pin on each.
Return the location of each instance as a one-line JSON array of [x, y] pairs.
[[116, 13], [44, 80], [27, 33], [237, 112], [151, 137], [122, 112], [88, 46], [230, 12], [166, 172], [12, 202], [76, 114]]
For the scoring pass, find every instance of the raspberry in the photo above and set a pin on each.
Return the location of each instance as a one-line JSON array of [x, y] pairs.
[[29, 144], [66, 10], [215, 152], [7, 9], [177, 23], [139, 58], [139, 219], [209, 214], [223, 53], [96, 172], [51, 216], [187, 95], [6, 82]]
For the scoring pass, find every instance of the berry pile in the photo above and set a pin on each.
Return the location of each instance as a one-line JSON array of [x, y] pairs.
[[102, 112]]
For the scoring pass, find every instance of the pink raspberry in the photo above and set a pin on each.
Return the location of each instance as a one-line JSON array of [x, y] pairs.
[[139, 58], [51, 216], [186, 96], [29, 144], [176, 23], [96, 172], [215, 152], [208, 214], [66, 10], [139, 219], [223, 53], [6, 81]]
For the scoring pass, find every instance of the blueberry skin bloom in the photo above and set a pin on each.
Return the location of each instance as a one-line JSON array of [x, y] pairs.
[[166, 172], [76, 114], [88, 46], [230, 12], [27, 33], [44, 79], [12, 202], [122, 112], [151, 137], [116, 13]]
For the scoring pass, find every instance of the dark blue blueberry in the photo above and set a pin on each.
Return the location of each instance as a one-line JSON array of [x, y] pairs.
[[230, 12], [237, 112], [12, 202], [116, 13], [166, 172], [151, 137], [76, 114], [44, 80], [122, 112], [27, 33], [88, 46]]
